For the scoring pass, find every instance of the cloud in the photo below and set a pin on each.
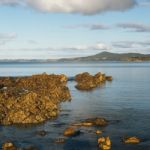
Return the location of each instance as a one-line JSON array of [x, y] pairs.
[[145, 3], [98, 46], [89, 7], [136, 27], [96, 26], [7, 37], [131, 44]]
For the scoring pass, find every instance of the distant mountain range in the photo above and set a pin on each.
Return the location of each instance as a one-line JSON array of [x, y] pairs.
[[103, 56]]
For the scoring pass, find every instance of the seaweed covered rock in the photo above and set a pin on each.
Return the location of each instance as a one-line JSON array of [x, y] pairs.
[[85, 81], [34, 99]]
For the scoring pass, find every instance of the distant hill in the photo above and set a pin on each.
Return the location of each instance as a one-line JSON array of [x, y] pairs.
[[103, 56], [107, 56]]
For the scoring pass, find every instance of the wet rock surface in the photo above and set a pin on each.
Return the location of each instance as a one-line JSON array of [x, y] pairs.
[[8, 146], [70, 132], [86, 81], [31, 100], [131, 140], [101, 122], [104, 143]]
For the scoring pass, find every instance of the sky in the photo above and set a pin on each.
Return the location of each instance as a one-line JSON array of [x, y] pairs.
[[52, 29]]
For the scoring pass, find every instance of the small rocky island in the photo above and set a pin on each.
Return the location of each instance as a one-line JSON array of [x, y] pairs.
[[86, 81]]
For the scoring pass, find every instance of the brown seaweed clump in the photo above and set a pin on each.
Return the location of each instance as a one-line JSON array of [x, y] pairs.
[[31, 100]]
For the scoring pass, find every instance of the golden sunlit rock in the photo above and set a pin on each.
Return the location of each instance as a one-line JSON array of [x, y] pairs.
[[104, 143], [131, 140]]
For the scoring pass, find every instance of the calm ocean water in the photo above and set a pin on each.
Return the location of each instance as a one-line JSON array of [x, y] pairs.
[[125, 102]]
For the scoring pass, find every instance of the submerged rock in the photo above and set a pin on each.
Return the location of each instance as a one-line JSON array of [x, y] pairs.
[[60, 141], [85, 81], [131, 140], [98, 132], [104, 143], [30, 100], [95, 122], [8, 146], [41, 133], [71, 132], [30, 148]]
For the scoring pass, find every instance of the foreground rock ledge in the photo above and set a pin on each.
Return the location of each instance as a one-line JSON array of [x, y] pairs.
[[31, 100], [85, 81]]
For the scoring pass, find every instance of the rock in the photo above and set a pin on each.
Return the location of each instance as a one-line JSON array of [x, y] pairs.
[[98, 132], [104, 143], [32, 100], [1, 86], [41, 133], [85, 81], [95, 122], [131, 140], [30, 148], [71, 132], [109, 78], [8, 146], [60, 141]]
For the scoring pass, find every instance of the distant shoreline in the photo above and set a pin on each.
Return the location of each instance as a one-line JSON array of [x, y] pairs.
[[100, 57]]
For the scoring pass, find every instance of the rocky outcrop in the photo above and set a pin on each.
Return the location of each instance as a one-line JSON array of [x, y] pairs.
[[131, 140], [104, 143], [85, 81], [30, 100]]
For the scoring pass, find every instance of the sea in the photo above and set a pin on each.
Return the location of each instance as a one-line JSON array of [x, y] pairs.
[[125, 102]]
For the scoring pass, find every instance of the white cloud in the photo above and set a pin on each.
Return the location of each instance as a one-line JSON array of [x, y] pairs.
[[98, 46], [131, 44], [7, 37], [136, 27], [86, 7], [96, 26]]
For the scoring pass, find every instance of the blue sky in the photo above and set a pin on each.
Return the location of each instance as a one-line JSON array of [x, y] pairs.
[[72, 28]]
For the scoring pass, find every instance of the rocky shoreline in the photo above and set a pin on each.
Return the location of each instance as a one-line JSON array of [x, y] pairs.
[[35, 99]]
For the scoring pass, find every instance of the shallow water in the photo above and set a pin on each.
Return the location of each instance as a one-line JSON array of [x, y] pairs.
[[125, 102]]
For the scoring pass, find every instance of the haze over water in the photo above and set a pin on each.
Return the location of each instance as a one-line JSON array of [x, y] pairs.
[[125, 102]]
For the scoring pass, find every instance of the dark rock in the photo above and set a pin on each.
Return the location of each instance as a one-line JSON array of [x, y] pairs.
[[30, 148], [60, 141], [41, 133], [2, 86]]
